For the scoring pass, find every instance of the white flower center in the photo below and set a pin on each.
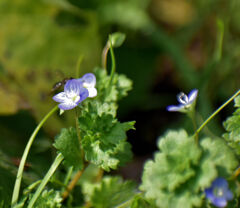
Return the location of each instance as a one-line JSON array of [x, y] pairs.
[[73, 97], [218, 192]]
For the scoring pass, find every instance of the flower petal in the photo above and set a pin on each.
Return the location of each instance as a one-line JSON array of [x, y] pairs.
[[67, 105], [209, 194], [89, 80], [73, 86], [60, 97], [83, 94], [174, 107], [229, 195], [192, 95], [92, 92], [220, 182], [219, 202]]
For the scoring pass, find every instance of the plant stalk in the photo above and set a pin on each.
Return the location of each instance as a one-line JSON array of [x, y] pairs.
[[24, 157], [46, 178], [216, 112]]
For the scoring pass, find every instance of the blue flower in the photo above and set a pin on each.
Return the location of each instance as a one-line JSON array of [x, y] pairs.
[[218, 193], [186, 101], [89, 82], [73, 94]]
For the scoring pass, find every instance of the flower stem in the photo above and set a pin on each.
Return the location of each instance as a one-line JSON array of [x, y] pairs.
[[113, 69], [24, 157], [192, 116], [78, 132], [46, 178], [79, 173], [79, 62], [104, 55], [216, 112]]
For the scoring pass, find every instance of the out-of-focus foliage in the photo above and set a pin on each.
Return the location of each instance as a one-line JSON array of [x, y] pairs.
[[182, 169], [232, 126], [112, 191], [40, 45]]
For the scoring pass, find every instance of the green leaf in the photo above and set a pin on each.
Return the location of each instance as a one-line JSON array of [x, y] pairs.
[[67, 143], [49, 199], [182, 169], [221, 155], [139, 202], [232, 126], [117, 39], [135, 16], [44, 51], [119, 88], [104, 140], [110, 192]]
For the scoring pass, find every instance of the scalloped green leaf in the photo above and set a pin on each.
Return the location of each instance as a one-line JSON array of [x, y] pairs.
[[179, 153], [112, 191], [182, 169], [140, 202], [221, 155], [49, 199], [232, 126], [118, 89], [67, 143], [104, 140]]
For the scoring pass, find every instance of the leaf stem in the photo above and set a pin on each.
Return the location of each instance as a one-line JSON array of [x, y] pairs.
[[128, 202], [113, 68], [46, 178], [104, 55], [24, 157], [192, 116], [74, 181], [216, 112], [78, 67], [78, 132], [72, 184], [69, 173]]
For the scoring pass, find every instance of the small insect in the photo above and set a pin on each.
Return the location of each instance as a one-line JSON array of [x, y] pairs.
[[60, 84]]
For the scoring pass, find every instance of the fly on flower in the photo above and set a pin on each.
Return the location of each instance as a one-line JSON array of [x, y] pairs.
[[57, 85], [219, 193], [75, 91], [186, 102]]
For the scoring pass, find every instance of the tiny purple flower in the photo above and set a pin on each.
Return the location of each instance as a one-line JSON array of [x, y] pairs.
[[73, 94], [186, 101], [219, 193], [89, 82]]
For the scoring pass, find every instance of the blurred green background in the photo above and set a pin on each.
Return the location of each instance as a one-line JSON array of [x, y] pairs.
[[171, 46]]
